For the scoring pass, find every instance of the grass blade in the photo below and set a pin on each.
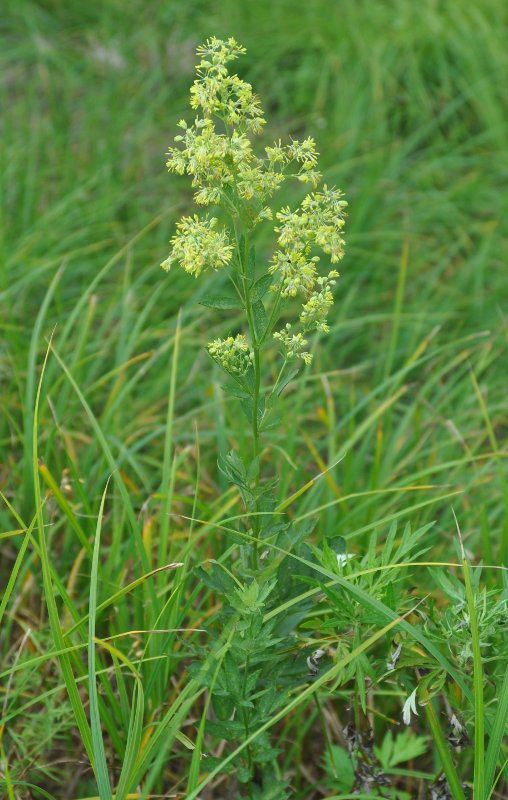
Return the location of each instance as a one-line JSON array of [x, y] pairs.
[[54, 620], [116, 475], [101, 770], [494, 748], [15, 569], [443, 753], [133, 742]]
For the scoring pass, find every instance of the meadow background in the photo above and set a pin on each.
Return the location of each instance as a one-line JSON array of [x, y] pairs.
[[407, 103]]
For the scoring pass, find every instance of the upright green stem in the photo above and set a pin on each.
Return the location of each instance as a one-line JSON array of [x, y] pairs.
[[255, 434], [257, 386]]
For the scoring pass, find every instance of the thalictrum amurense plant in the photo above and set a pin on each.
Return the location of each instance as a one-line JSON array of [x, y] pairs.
[[217, 151]]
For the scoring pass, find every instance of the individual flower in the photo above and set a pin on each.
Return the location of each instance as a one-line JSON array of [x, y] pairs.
[[313, 661], [319, 220], [303, 152], [293, 230], [233, 354], [292, 344], [197, 246], [343, 558], [409, 706], [255, 180], [394, 657], [277, 154]]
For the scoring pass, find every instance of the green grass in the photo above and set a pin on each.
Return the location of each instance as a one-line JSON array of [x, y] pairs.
[[406, 396]]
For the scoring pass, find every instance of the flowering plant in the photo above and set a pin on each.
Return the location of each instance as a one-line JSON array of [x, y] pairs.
[[217, 152]]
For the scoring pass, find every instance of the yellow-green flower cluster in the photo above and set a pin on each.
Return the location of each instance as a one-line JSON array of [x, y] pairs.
[[292, 344], [303, 153], [197, 246], [318, 222], [296, 270], [217, 152], [233, 354], [224, 169], [226, 96], [315, 311], [325, 214]]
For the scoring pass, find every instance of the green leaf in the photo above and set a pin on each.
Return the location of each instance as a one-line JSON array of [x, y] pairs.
[[284, 381], [230, 388], [216, 578], [251, 266], [338, 544], [133, 742], [228, 730], [267, 754], [248, 404], [341, 769], [54, 618], [213, 762], [273, 529], [223, 706], [260, 319], [270, 422], [268, 701], [404, 747], [233, 468], [329, 557], [261, 287], [233, 676], [220, 301], [441, 748], [478, 678], [243, 774], [253, 469], [390, 597]]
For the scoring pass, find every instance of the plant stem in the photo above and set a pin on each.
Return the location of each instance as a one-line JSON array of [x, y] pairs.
[[257, 387], [255, 434]]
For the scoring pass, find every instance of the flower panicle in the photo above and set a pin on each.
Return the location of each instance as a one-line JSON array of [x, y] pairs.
[[292, 344], [226, 172], [215, 91], [315, 310], [233, 354], [197, 246], [318, 222]]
